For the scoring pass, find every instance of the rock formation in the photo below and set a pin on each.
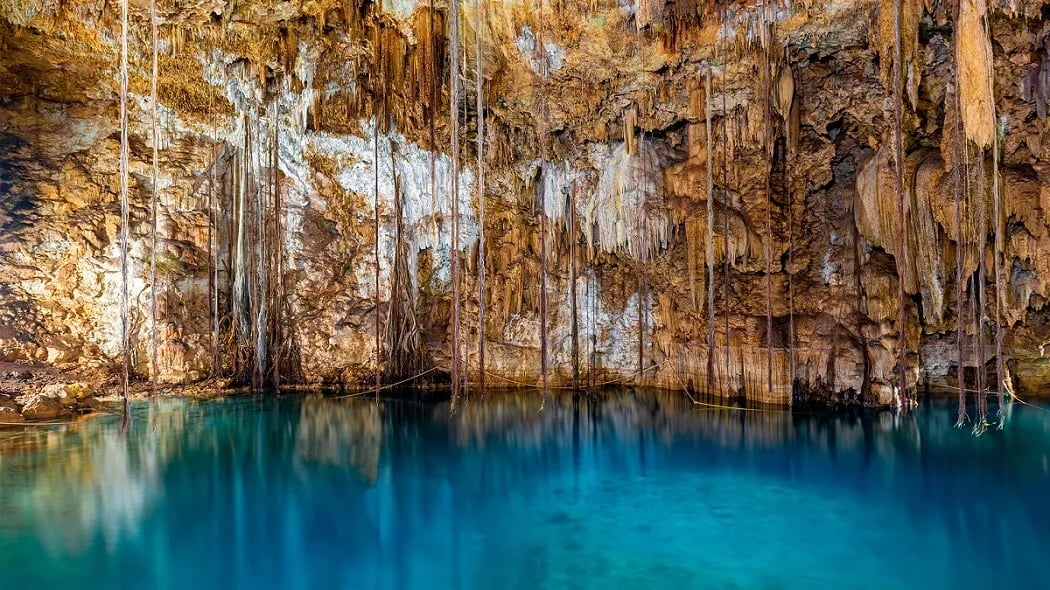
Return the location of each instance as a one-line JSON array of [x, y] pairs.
[[309, 187]]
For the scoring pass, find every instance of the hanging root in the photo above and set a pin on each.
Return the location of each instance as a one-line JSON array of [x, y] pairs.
[[125, 314], [405, 351]]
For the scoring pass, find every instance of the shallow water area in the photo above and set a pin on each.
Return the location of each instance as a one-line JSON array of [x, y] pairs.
[[629, 490]]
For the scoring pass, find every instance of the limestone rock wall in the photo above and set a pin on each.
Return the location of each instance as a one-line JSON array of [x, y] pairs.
[[287, 129]]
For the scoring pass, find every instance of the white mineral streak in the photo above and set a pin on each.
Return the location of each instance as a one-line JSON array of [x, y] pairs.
[[614, 333], [751, 21], [559, 181], [626, 211], [412, 167], [529, 47], [355, 159], [648, 12], [107, 333]]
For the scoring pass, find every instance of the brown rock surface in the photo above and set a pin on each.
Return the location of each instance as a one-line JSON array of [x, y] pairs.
[[268, 170], [44, 408], [10, 413]]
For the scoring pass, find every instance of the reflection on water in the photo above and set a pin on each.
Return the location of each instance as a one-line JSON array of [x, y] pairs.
[[623, 490], [340, 434]]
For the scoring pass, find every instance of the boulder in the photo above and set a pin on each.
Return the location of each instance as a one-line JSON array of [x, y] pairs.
[[9, 413], [44, 408], [66, 394]]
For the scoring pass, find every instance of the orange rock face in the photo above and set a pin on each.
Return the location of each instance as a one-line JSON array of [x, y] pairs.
[[305, 192]]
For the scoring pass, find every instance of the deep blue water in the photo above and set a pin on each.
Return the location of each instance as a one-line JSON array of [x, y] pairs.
[[636, 490]]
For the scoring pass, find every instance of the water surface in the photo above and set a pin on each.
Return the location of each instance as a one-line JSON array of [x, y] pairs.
[[633, 490]]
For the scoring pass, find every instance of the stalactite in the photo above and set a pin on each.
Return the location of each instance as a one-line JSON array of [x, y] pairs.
[[153, 203], [255, 269], [630, 124], [627, 211], [973, 53], [454, 195], [898, 166], [648, 13], [900, 21], [710, 251], [479, 17], [125, 312]]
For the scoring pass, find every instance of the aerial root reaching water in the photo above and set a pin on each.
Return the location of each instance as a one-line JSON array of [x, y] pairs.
[[543, 203], [726, 200], [957, 190], [998, 244], [765, 78], [454, 73], [153, 202], [904, 399], [710, 252], [125, 317], [479, 17]]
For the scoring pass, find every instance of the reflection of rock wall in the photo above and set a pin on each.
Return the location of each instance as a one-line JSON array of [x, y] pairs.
[[301, 93], [213, 486], [91, 476], [340, 434]]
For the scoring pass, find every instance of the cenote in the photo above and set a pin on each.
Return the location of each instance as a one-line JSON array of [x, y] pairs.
[[630, 489]]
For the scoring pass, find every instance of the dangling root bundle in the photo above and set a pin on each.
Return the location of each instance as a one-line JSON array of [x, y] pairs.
[[405, 354]]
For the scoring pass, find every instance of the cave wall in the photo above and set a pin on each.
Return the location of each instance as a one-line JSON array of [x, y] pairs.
[[302, 117]]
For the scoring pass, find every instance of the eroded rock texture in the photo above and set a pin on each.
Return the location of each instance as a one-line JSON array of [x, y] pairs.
[[283, 124]]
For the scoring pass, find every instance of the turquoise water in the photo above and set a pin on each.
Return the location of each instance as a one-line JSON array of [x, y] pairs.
[[635, 490]]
